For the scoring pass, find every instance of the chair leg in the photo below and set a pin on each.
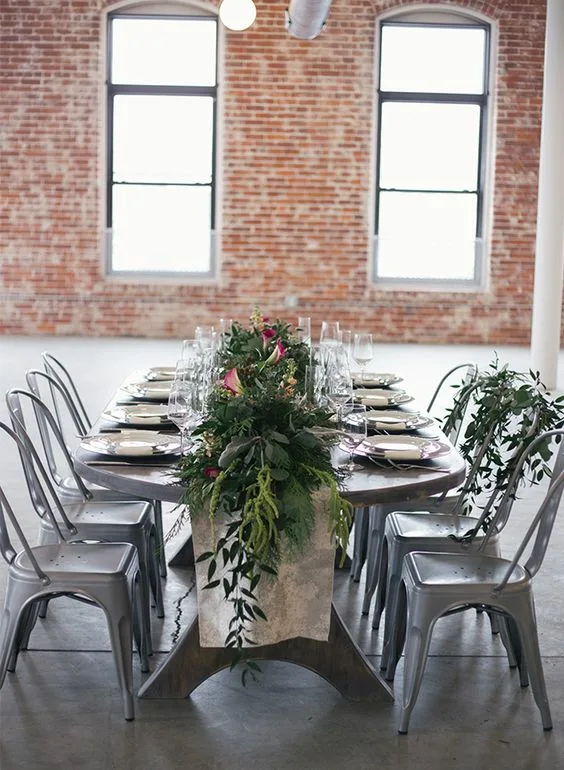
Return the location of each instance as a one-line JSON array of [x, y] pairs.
[[396, 642], [155, 575], [376, 521], [118, 611], [419, 631], [381, 586], [160, 543], [527, 626], [360, 542]]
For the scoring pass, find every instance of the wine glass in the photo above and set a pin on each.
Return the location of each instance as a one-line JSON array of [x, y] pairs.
[[346, 340], [362, 350], [352, 422], [185, 409], [303, 330], [339, 385], [329, 333]]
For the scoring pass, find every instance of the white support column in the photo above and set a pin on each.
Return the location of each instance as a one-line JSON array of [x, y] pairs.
[[549, 259]]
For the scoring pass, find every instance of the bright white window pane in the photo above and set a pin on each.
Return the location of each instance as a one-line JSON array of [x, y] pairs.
[[429, 146], [177, 52], [163, 138], [163, 229], [432, 59], [429, 236]]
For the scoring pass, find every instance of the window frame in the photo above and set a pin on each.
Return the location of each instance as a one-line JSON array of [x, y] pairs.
[[451, 19], [111, 91]]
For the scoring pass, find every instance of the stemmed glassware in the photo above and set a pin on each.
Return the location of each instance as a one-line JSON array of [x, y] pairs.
[[186, 400], [329, 333], [338, 380], [362, 351], [303, 330], [352, 422]]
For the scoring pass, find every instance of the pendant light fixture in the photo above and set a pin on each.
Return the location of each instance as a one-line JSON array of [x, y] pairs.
[[237, 15]]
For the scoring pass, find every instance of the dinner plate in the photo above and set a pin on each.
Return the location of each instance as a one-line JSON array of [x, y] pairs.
[[138, 414], [160, 373], [380, 399], [410, 448], [151, 391], [375, 380], [396, 422], [132, 443]]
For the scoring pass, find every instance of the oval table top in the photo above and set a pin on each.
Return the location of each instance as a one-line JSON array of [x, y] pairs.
[[370, 486]]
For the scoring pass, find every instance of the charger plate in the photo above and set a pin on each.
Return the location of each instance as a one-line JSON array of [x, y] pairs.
[[132, 443], [411, 448]]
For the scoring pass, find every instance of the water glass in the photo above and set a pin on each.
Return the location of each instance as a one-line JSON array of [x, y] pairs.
[[329, 333], [362, 351], [352, 423], [303, 330]]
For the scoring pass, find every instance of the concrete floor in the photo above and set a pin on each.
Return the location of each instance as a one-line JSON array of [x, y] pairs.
[[62, 708]]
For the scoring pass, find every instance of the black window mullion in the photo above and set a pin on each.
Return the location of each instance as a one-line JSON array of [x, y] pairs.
[[479, 99], [118, 89]]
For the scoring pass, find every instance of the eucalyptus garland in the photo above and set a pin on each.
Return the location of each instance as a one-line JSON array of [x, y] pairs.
[[263, 450], [507, 410]]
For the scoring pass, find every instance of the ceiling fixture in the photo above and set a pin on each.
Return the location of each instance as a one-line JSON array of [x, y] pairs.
[[237, 14]]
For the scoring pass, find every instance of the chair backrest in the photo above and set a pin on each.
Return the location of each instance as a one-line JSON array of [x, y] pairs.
[[8, 518], [538, 534], [468, 372], [58, 401], [499, 520], [61, 374], [51, 436]]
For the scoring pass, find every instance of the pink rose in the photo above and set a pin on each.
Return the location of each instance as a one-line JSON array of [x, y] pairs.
[[232, 383], [211, 473]]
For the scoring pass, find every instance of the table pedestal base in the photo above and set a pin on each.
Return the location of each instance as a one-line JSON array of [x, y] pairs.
[[339, 661]]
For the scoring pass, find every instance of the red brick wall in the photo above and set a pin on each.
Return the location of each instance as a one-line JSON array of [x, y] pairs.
[[297, 175]]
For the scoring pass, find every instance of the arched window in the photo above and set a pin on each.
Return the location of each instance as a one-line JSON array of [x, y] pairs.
[[432, 138], [161, 139]]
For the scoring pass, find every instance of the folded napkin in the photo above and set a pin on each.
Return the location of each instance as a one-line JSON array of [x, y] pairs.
[[381, 422], [130, 448]]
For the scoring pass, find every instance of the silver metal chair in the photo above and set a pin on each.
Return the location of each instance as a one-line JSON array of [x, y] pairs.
[[58, 372], [437, 584], [71, 488], [101, 574], [406, 532], [114, 521], [369, 522]]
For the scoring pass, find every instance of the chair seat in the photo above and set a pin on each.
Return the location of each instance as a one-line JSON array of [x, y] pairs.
[[77, 561], [454, 572], [127, 514], [70, 489], [421, 524]]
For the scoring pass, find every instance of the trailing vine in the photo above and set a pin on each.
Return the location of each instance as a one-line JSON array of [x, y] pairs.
[[263, 451]]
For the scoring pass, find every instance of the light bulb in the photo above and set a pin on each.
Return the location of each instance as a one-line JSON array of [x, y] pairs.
[[237, 14]]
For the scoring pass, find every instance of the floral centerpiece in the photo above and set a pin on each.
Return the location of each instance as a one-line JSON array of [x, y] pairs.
[[262, 452]]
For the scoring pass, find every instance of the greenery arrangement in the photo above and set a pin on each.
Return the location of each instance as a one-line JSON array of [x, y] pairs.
[[508, 409], [263, 450]]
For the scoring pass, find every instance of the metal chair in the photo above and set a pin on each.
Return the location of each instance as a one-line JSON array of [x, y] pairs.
[[59, 373], [101, 574], [437, 584], [88, 518], [406, 532], [70, 486], [369, 522]]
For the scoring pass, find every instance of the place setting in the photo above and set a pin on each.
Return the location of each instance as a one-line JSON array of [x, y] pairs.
[[132, 446]]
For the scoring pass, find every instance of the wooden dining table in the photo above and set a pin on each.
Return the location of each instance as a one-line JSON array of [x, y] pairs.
[[339, 660]]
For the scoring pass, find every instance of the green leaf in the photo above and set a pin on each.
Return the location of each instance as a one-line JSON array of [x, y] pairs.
[[213, 584], [279, 437], [235, 447], [204, 556], [211, 569], [259, 612]]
